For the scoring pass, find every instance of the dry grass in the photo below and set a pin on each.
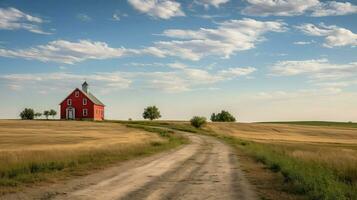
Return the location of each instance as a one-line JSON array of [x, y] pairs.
[[310, 156], [287, 133], [30, 149]]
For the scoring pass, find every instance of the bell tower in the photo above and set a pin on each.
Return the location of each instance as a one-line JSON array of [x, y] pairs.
[[85, 87]]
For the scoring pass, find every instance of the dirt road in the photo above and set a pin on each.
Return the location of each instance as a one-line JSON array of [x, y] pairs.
[[204, 169]]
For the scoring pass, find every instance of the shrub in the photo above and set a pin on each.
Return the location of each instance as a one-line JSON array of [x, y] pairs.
[[197, 121], [223, 116], [27, 113], [151, 112]]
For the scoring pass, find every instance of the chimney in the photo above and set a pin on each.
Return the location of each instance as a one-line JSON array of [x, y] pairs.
[[85, 87]]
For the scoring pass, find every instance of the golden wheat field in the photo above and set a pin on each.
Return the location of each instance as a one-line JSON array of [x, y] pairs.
[[18, 135], [28, 148], [287, 133]]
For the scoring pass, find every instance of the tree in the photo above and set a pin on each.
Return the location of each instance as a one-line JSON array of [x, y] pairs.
[[38, 115], [151, 112], [53, 113], [223, 116], [27, 113], [198, 122], [46, 113]]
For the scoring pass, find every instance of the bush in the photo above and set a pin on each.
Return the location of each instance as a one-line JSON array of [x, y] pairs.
[[151, 112], [223, 116], [197, 121], [27, 113]]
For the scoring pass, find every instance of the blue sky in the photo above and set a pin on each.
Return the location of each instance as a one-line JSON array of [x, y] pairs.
[[262, 60]]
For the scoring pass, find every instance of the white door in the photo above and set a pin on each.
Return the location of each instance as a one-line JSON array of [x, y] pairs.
[[71, 113]]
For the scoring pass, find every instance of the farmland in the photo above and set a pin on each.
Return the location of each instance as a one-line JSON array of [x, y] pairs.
[[34, 151], [290, 160], [317, 161]]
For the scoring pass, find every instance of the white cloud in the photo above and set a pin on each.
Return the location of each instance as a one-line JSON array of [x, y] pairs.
[[177, 65], [278, 8], [117, 16], [315, 8], [229, 37], [320, 69], [208, 3], [333, 8], [163, 9], [304, 42], [61, 80], [63, 51], [236, 72], [84, 17], [334, 36], [186, 79], [180, 79], [14, 19]]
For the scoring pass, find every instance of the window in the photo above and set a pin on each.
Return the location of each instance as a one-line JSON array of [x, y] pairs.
[[84, 101], [76, 93], [69, 102], [85, 112]]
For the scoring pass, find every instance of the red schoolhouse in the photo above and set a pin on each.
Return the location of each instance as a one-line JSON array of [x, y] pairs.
[[81, 104]]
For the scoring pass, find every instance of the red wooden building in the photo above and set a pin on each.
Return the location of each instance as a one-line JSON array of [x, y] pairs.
[[81, 104]]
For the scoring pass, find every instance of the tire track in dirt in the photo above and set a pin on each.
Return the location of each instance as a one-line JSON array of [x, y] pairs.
[[204, 169]]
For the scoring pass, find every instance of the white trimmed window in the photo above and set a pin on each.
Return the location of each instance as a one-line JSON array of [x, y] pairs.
[[69, 102], [84, 101], [85, 112], [76, 93]]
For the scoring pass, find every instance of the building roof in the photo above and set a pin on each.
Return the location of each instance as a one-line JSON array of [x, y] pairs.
[[89, 95], [92, 98]]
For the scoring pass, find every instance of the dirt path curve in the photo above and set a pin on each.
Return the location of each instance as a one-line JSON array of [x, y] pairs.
[[204, 169]]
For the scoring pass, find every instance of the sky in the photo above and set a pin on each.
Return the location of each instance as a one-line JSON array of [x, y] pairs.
[[262, 60]]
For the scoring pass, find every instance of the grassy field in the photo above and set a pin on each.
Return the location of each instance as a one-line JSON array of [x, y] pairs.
[[319, 123], [33, 151], [317, 162]]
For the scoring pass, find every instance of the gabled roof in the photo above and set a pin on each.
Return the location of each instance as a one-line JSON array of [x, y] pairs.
[[89, 95], [92, 98]]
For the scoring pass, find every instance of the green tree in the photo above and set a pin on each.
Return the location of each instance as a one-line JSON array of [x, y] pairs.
[[198, 122], [27, 113], [53, 113], [46, 113], [223, 116], [38, 115], [151, 112]]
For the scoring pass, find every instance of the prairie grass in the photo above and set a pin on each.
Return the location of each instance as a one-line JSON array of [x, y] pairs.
[[317, 162], [319, 123], [36, 151]]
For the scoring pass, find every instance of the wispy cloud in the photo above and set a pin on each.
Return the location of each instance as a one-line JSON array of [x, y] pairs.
[[84, 17], [117, 16], [229, 37], [314, 8], [63, 51], [208, 3], [179, 79], [14, 19], [316, 69], [162, 9], [304, 42], [334, 36]]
